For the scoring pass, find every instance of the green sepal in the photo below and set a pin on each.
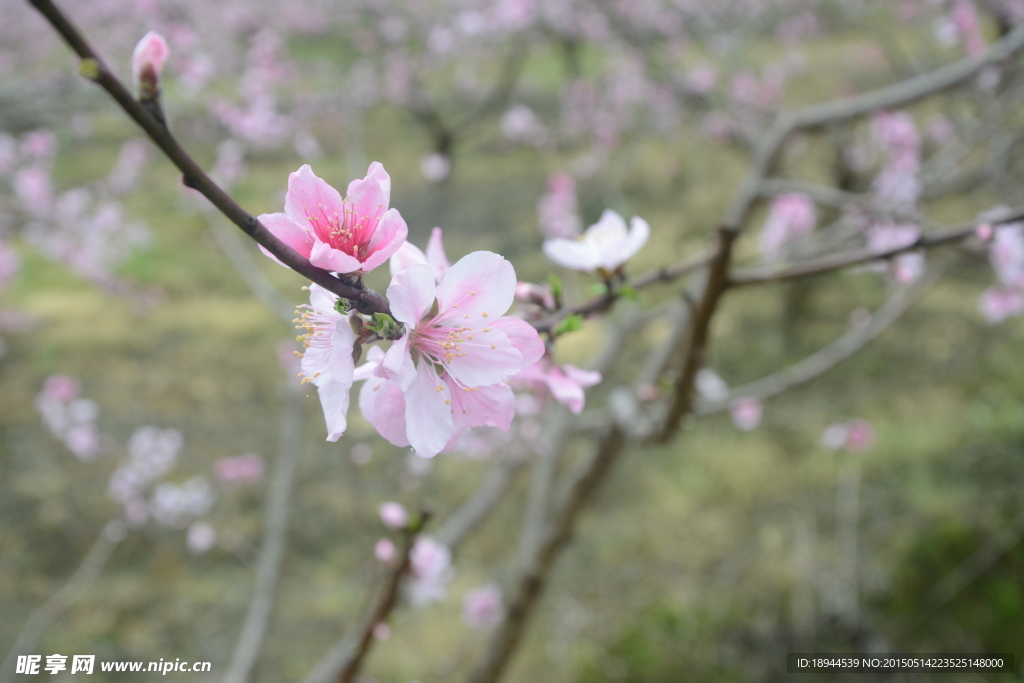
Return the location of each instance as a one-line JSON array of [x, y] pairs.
[[571, 323]]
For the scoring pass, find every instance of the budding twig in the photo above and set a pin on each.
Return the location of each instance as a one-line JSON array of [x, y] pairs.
[[363, 299]]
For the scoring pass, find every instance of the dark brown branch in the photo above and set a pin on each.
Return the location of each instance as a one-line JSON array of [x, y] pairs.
[[602, 303], [692, 351], [364, 300]]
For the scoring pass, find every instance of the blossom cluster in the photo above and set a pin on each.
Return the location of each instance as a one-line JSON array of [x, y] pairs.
[[455, 354]]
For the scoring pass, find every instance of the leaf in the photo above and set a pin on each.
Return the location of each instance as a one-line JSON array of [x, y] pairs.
[[556, 286], [571, 323]]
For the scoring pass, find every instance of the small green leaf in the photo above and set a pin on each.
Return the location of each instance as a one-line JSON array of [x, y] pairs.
[[571, 323], [628, 293], [556, 286], [342, 306], [598, 288]]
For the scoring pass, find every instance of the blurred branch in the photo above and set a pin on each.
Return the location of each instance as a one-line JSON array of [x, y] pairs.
[[532, 575], [344, 660], [365, 300], [268, 568], [486, 497], [827, 358], [777, 273], [895, 95], [44, 617]]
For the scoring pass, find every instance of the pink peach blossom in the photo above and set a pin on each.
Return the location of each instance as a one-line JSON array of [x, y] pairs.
[[243, 469], [393, 515], [481, 608], [565, 382], [447, 373], [410, 255], [792, 215], [997, 304], [431, 571], [746, 413], [354, 235], [384, 550]]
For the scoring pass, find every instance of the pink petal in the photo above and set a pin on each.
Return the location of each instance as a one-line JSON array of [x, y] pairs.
[[324, 256], [387, 239], [376, 172], [398, 365], [479, 283], [571, 254], [491, 406], [411, 294], [565, 390], [488, 358], [585, 378], [151, 51], [309, 195], [320, 299], [436, 257], [334, 401], [288, 231], [428, 418], [407, 255], [383, 405], [524, 339], [367, 197], [374, 357]]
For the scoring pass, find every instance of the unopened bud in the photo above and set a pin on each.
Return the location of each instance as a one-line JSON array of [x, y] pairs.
[[535, 294], [147, 62]]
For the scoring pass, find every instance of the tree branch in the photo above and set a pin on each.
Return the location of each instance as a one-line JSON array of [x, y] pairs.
[[254, 628], [778, 273], [827, 358], [344, 660], [364, 300]]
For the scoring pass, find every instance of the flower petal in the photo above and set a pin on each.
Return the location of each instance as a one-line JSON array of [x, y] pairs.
[[639, 233], [481, 283], [488, 358], [407, 255], [374, 357], [367, 197], [334, 401], [524, 338], [383, 406], [328, 258], [571, 254], [585, 378], [342, 366], [309, 195], [288, 231], [387, 239], [428, 418], [411, 294], [565, 390], [436, 257], [398, 365]]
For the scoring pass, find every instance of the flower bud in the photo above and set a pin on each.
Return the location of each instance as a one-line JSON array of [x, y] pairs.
[[147, 63]]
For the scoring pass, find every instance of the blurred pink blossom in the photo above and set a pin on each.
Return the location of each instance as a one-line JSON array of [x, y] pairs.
[[565, 382], [746, 413], [481, 607], [393, 515], [431, 571], [242, 469], [384, 550], [557, 209], [791, 216], [201, 537], [999, 303]]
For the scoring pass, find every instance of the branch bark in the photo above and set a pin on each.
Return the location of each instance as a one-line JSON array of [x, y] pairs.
[[363, 299]]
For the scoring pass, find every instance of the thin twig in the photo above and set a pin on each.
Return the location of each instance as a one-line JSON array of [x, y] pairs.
[[827, 358], [268, 568], [344, 660], [365, 300]]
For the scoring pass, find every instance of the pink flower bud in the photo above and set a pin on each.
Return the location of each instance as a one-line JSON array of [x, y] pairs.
[[746, 413], [381, 631], [984, 232], [393, 515], [147, 62], [384, 551]]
